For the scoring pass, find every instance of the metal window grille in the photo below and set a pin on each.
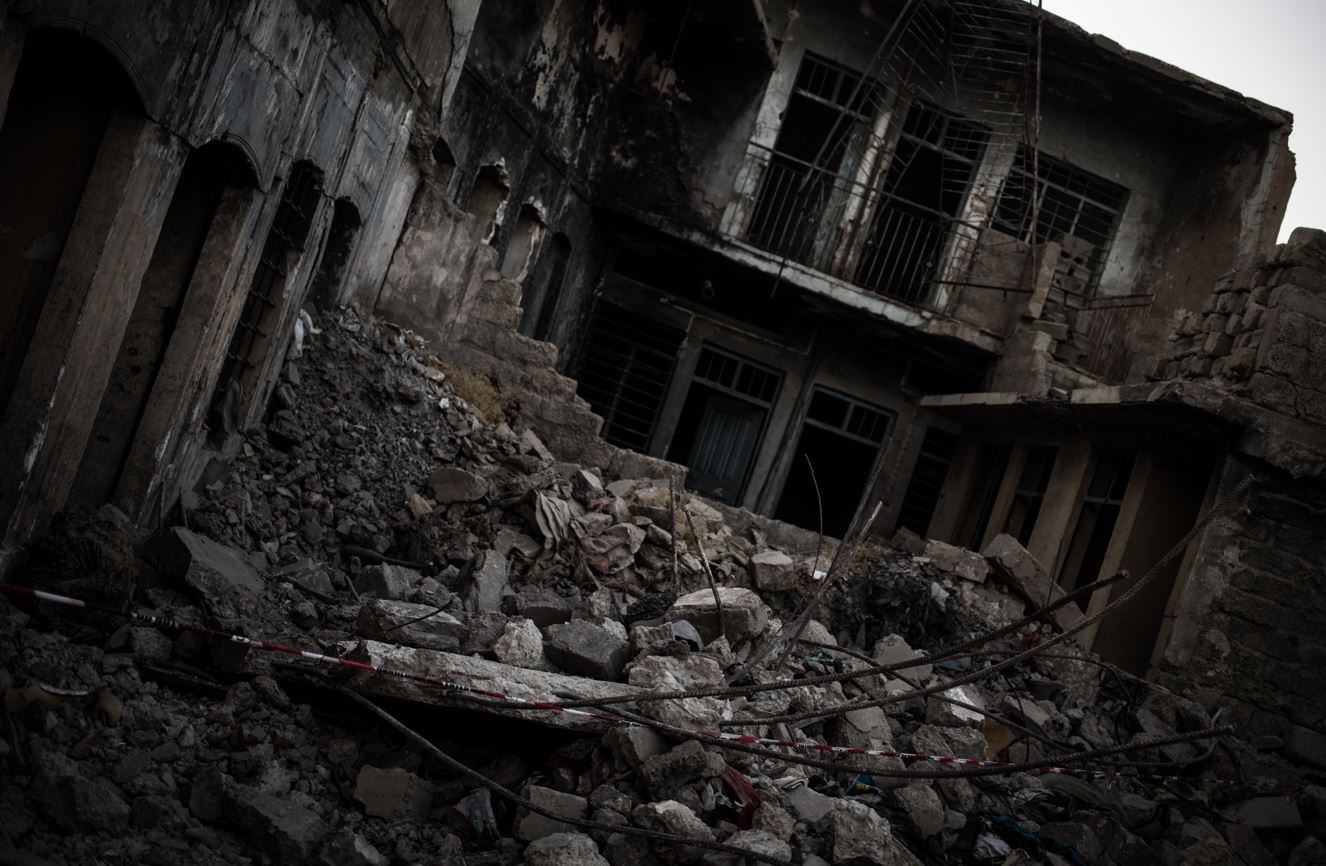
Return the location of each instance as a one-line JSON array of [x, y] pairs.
[[624, 373], [1068, 202], [848, 417], [927, 483], [738, 376]]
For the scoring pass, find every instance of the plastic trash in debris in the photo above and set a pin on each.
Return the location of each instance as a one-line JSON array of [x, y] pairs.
[[303, 327], [819, 574], [990, 847], [864, 783], [938, 593], [477, 806]]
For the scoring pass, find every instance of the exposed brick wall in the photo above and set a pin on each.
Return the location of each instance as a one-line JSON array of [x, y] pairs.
[[1259, 646]]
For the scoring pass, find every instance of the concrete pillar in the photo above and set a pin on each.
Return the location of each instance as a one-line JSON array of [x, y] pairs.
[[1059, 506], [180, 395], [87, 308]]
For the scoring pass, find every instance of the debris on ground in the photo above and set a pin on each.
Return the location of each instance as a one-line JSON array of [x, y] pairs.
[[375, 516]]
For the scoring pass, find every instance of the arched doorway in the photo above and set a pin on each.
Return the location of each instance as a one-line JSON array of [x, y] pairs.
[[487, 201], [543, 288], [65, 91], [340, 246]]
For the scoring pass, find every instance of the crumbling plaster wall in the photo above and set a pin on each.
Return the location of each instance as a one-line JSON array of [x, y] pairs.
[[280, 81]]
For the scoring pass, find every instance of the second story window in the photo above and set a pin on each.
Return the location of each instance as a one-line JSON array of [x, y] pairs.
[[1076, 208]]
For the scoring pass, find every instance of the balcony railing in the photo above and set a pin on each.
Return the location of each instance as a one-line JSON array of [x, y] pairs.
[[837, 225]]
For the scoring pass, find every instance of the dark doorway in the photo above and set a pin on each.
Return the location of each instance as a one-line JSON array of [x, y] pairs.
[[1096, 518], [543, 289], [64, 93], [340, 245], [1030, 493], [991, 464], [624, 373], [487, 198], [835, 456], [722, 422]]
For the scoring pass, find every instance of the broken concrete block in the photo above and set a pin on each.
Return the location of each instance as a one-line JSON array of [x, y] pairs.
[[531, 440], [585, 485], [761, 842], [668, 673], [774, 571], [418, 506], [949, 715], [634, 744], [348, 848], [1016, 565], [428, 628], [861, 836], [529, 825], [543, 606], [664, 774], [893, 648], [488, 582], [564, 849], [580, 647], [957, 560], [394, 794], [289, 832], [922, 805], [228, 583], [81, 805], [521, 644], [671, 817], [744, 614], [388, 581], [451, 484], [807, 804]]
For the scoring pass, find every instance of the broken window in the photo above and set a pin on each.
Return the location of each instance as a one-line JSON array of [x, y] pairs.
[[1030, 493], [487, 201], [1066, 204], [840, 441], [991, 463], [927, 483], [933, 164], [807, 177], [722, 422], [624, 373], [262, 307], [1096, 518]]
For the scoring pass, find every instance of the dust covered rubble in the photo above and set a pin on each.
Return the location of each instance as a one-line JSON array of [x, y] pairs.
[[386, 499]]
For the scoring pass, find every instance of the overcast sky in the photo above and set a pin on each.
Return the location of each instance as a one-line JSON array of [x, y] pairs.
[[1271, 50]]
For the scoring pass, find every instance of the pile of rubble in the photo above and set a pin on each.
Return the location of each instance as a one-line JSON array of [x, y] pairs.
[[377, 516]]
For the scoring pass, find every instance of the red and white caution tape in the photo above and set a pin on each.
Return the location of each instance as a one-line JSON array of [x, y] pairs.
[[745, 739]]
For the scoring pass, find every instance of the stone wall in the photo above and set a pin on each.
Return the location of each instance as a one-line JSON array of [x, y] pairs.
[[1258, 647], [1262, 332]]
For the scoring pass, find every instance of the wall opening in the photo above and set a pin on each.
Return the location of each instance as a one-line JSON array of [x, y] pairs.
[[722, 422], [543, 288], [336, 255], [991, 463], [65, 90], [253, 335], [927, 482], [1097, 514], [840, 441], [160, 299], [624, 373], [1029, 494], [522, 248], [487, 203], [444, 162]]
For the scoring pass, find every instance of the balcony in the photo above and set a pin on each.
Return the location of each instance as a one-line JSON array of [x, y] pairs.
[[880, 243]]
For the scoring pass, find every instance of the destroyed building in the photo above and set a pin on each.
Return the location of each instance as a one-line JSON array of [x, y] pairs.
[[1009, 280]]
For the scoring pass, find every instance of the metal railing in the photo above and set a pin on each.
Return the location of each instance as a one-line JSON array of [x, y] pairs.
[[837, 225]]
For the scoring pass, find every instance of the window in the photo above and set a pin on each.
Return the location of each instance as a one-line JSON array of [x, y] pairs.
[[1030, 493], [804, 185], [1096, 519], [722, 422], [991, 463], [625, 371], [918, 504], [840, 441], [1073, 204], [927, 182]]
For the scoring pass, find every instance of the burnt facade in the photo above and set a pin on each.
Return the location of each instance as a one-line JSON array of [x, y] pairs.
[[959, 258]]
